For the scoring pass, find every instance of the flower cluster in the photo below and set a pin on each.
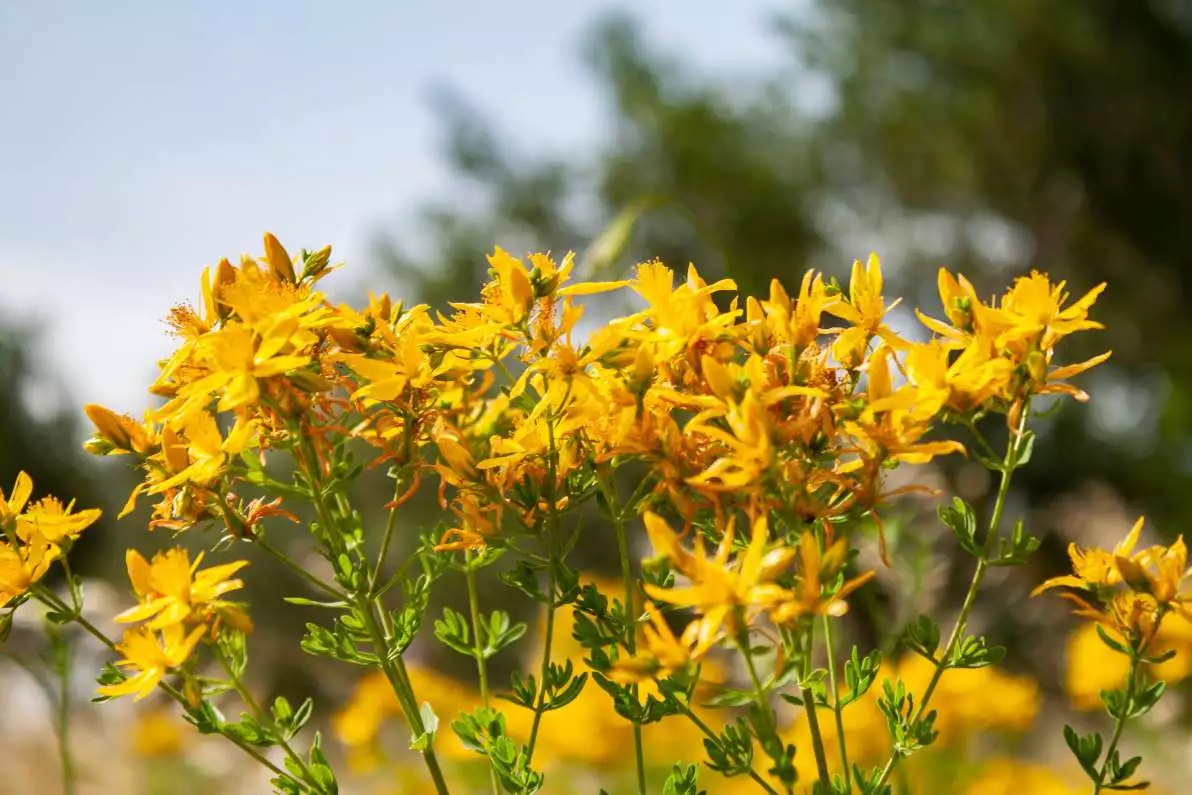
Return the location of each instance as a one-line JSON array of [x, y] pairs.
[[33, 536], [747, 439], [179, 604]]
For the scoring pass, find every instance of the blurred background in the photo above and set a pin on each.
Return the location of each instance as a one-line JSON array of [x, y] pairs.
[[756, 139]]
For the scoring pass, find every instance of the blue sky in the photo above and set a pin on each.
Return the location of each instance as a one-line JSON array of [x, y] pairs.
[[142, 141]]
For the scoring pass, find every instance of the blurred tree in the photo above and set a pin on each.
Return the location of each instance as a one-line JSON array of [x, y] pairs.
[[43, 440]]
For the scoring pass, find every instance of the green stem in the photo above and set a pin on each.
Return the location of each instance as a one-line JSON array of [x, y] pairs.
[[290, 564], [614, 510], [399, 681], [369, 606], [1120, 726], [548, 639], [264, 718], [837, 708], [478, 650], [711, 735], [999, 505], [552, 533], [65, 758], [817, 738], [387, 539]]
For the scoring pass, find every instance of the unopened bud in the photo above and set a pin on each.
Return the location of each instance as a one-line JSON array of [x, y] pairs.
[[314, 263], [278, 258], [225, 274], [119, 430]]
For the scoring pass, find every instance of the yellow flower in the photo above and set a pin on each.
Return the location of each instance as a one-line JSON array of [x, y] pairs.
[[31, 535], [151, 654], [1095, 568], [888, 428], [662, 653], [865, 310], [237, 359], [816, 571], [1160, 572], [49, 519], [962, 383], [205, 450], [23, 565], [119, 430], [719, 588], [1011, 777], [12, 505], [157, 733], [172, 590]]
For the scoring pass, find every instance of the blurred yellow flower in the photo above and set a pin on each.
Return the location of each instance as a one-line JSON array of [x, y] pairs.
[[1010, 777], [157, 733], [1092, 666]]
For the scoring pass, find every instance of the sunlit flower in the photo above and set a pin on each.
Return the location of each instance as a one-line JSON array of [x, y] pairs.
[[719, 586], [151, 654], [172, 590]]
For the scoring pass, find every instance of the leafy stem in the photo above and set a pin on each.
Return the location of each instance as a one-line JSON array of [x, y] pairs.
[[817, 738], [263, 717], [478, 648], [711, 735], [1009, 462], [368, 606], [837, 707], [618, 520], [1120, 724]]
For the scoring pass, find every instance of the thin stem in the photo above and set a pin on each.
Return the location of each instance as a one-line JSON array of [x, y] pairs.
[[761, 782], [66, 760], [552, 534], [289, 563], [387, 539], [548, 639], [1120, 725], [817, 738], [836, 706], [614, 509], [369, 606], [478, 650], [264, 718], [399, 680], [999, 505]]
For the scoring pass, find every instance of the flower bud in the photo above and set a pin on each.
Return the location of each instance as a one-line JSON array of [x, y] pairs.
[[315, 263], [118, 430], [278, 258]]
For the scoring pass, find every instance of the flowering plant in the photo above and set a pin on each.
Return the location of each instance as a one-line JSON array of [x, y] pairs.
[[750, 441]]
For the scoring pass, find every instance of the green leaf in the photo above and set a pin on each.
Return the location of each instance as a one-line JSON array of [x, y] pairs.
[[304, 602], [973, 653], [1111, 641], [923, 636], [452, 631], [961, 520], [1086, 749], [861, 672], [499, 633], [683, 780], [430, 725]]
